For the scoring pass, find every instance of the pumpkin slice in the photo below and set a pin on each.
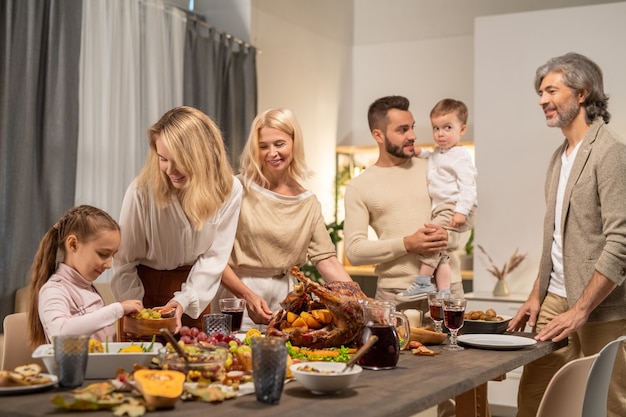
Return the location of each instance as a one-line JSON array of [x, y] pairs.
[[299, 322], [159, 388], [291, 317], [312, 323]]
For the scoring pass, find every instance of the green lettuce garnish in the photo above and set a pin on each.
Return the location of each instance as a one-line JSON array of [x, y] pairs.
[[344, 354]]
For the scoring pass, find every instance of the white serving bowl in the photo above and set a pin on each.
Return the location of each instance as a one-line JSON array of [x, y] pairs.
[[103, 365], [328, 380]]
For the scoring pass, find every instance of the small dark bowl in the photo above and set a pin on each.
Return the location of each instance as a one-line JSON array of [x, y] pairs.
[[484, 327]]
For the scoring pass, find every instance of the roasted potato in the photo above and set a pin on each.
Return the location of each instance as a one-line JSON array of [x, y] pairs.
[[489, 315]]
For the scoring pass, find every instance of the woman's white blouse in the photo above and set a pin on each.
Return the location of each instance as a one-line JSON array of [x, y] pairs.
[[163, 238]]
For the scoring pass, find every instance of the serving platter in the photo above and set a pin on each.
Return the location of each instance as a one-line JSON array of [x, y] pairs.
[[496, 341], [26, 389], [103, 365]]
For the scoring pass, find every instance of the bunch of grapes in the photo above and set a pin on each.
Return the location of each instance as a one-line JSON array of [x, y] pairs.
[[193, 335], [239, 353], [239, 357]]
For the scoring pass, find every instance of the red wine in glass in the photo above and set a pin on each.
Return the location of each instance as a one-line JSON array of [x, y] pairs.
[[234, 307], [236, 318], [436, 312], [454, 318], [453, 311], [384, 354]]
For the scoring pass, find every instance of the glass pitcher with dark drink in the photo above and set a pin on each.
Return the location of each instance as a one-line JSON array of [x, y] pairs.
[[381, 319]]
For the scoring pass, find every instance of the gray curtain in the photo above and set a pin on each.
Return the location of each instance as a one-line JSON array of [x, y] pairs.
[[39, 51], [220, 79]]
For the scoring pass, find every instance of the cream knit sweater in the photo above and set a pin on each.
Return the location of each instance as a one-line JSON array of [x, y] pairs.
[[394, 201]]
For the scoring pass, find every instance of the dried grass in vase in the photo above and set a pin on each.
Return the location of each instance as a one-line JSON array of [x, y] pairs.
[[513, 263]]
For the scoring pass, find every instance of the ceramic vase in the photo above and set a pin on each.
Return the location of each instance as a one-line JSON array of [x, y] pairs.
[[501, 289]]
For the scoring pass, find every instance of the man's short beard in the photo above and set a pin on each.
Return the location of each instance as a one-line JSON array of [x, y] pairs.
[[564, 115], [396, 151]]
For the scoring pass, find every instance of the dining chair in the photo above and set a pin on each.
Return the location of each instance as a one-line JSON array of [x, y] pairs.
[[580, 387], [596, 392], [566, 391], [16, 348]]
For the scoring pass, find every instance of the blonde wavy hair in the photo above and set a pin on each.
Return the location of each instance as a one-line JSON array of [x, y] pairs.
[[197, 146], [251, 165]]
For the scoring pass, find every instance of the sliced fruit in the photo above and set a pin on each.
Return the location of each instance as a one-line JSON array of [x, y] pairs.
[[166, 312], [312, 323], [291, 317], [299, 322], [322, 315], [253, 333]]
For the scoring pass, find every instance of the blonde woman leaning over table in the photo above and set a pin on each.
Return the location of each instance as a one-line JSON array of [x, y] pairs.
[[280, 224], [179, 218], [63, 299]]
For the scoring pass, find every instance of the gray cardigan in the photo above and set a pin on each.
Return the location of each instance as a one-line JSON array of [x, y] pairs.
[[593, 220]]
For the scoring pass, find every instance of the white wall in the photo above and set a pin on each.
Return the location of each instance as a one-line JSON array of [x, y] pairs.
[[424, 71], [231, 16], [305, 65], [513, 143]]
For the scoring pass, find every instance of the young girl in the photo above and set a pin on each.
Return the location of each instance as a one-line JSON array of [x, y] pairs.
[[71, 256]]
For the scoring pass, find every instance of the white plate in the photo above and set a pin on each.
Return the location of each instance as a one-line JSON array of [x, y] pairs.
[[30, 388], [496, 341], [103, 365]]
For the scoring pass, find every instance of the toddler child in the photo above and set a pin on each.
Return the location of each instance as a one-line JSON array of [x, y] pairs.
[[452, 189]]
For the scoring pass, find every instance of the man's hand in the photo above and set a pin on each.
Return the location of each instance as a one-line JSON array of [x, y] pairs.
[[527, 314], [427, 240], [568, 322], [562, 325]]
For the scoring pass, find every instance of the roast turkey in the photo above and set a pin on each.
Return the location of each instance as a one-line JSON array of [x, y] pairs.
[[341, 298]]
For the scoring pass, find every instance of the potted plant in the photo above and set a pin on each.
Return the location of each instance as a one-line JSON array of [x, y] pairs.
[[501, 288], [467, 259]]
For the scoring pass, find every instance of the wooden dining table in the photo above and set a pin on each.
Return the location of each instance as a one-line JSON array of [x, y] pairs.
[[416, 384]]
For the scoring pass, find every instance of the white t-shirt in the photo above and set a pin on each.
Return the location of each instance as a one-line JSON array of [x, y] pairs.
[[557, 278]]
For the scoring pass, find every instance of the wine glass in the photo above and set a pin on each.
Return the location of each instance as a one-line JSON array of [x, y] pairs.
[[453, 312], [233, 307], [435, 306]]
